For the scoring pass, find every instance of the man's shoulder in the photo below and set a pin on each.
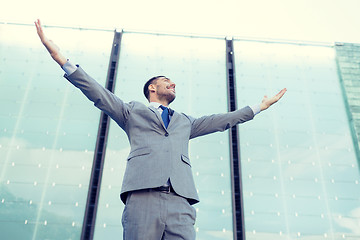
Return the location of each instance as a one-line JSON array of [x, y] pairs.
[[184, 115], [137, 104]]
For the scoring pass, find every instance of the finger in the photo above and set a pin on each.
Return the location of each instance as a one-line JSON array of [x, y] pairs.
[[36, 25], [40, 26], [264, 98], [40, 31], [282, 92]]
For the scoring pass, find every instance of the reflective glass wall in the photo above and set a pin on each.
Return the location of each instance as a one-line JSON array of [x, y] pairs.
[[299, 168], [47, 132], [197, 66], [348, 60], [300, 172]]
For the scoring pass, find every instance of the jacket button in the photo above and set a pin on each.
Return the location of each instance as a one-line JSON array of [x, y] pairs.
[[166, 134]]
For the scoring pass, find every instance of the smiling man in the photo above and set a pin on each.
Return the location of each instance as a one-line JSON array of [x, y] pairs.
[[158, 189], [164, 89]]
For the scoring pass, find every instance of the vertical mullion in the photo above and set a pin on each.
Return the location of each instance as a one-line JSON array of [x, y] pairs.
[[237, 198], [100, 147]]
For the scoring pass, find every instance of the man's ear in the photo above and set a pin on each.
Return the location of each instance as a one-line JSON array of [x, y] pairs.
[[152, 88]]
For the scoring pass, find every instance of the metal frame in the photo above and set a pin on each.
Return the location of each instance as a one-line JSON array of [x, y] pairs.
[[352, 122], [189, 35], [100, 148], [236, 183]]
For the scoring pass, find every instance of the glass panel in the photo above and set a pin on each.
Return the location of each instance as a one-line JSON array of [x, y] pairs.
[[347, 56], [300, 173], [48, 132], [197, 66]]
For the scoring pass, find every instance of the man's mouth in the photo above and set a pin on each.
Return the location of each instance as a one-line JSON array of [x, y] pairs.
[[172, 89]]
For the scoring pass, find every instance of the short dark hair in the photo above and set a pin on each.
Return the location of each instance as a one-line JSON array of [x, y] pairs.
[[147, 84]]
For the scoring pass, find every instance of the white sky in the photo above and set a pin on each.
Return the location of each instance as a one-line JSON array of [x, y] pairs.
[[305, 20]]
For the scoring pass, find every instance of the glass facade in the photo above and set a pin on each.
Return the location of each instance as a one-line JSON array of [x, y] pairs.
[[348, 60], [300, 168], [194, 65], [300, 171], [47, 133]]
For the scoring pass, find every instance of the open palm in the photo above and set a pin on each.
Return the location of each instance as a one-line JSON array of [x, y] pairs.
[[267, 102]]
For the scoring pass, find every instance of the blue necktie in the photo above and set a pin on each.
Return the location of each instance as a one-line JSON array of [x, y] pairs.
[[165, 115]]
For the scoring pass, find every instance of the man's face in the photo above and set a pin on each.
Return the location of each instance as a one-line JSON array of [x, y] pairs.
[[165, 89]]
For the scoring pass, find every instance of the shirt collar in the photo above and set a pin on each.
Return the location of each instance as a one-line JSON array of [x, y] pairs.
[[156, 105]]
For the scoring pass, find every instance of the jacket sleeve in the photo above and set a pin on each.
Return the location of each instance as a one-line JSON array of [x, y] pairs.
[[100, 96], [219, 122]]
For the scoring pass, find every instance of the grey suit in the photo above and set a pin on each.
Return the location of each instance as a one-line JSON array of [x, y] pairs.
[[147, 168]]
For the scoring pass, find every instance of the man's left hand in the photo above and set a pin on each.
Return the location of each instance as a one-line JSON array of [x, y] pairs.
[[267, 102]]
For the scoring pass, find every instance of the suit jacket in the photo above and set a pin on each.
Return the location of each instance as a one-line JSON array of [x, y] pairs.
[[147, 167]]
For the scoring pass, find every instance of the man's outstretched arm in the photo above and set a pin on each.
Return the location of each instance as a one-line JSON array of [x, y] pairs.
[[221, 122], [100, 96], [50, 45]]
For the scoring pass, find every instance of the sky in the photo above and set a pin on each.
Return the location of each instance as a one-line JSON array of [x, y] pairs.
[[301, 20]]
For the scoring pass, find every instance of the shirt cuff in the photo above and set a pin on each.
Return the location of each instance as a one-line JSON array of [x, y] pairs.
[[256, 109], [69, 67]]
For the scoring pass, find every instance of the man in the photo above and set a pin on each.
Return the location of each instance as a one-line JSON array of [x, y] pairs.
[[158, 187]]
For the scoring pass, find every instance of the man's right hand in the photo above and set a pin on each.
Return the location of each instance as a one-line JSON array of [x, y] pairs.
[[50, 45]]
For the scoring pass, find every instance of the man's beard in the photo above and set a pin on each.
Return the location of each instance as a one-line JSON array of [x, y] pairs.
[[170, 98]]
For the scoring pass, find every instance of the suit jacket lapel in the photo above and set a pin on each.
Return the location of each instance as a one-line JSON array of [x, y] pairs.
[[157, 114], [173, 119]]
